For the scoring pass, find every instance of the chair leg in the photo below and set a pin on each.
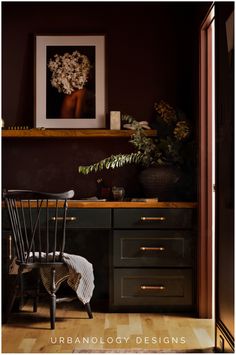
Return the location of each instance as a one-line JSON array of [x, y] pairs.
[[53, 298], [13, 289], [88, 309], [21, 286], [36, 298]]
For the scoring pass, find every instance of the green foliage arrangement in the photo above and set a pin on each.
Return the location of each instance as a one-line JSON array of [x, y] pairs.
[[164, 149], [174, 134]]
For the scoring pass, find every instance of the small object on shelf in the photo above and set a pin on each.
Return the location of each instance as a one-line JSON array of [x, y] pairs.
[[103, 191], [92, 199], [18, 128], [118, 193], [100, 185], [142, 124], [155, 199], [115, 120]]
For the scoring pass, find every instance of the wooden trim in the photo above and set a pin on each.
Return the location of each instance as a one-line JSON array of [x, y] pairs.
[[205, 180], [210, 15], [70, 133]]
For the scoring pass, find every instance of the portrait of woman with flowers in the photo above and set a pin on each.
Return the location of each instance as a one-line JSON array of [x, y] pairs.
[[70, 79]]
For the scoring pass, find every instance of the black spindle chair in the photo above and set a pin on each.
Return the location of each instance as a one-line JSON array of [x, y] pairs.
[[38, 223]]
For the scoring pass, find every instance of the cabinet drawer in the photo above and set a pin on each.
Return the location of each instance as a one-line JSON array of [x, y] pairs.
[[163, 287], [152, 248], [91, 218], [160, 218]]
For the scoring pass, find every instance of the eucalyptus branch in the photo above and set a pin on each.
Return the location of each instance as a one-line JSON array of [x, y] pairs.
[[112, 162]]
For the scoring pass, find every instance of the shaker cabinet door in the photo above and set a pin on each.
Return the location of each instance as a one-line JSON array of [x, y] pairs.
[[160, 287], [152, 248], [147, 218]]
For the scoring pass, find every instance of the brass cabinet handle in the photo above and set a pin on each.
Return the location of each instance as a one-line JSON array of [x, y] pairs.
[[152, 248], [153, 218], [61, 218], [10, 247], [147, 288]]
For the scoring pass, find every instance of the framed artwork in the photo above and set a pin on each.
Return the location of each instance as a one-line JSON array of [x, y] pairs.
[[70, 81]]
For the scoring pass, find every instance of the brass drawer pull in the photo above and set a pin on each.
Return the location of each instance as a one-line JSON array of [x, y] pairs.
[[153, 218], [61, 219], [147, 288], [152, 248], [10, 247]]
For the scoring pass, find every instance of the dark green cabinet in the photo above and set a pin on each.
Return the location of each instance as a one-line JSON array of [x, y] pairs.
[[143, 258], [154, 259]]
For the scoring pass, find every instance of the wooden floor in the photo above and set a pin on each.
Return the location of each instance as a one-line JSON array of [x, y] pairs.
[[28, 332]]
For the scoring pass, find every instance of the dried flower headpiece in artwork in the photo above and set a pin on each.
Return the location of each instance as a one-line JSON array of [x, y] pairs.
[[69, 71]]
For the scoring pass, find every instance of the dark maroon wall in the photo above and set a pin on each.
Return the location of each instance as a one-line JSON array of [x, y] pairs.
[[151, 53]]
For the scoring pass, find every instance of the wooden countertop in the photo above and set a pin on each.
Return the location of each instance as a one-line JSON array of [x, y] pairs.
[[128, 204], [118, 204]]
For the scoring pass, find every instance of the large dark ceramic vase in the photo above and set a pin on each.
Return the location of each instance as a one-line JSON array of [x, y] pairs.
[[162, 182]]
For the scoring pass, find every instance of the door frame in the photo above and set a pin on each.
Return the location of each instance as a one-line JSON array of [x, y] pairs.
[[205, 237]]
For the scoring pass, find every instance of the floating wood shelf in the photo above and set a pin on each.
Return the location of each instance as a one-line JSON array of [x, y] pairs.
[[69, 133]]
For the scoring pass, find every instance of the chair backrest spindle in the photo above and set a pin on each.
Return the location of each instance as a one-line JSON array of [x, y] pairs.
[[19, 232], [39, 206], [10, 207], [47, 230], [64, 228], [24, 224]]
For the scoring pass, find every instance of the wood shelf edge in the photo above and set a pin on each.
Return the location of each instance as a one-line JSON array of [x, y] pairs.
[[69, 133]]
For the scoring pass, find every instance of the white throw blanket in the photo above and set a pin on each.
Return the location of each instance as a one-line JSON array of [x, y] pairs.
[[77, 271], [79, 275]]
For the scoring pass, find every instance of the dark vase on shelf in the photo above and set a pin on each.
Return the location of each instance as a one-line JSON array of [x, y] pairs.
[[163, 182]]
